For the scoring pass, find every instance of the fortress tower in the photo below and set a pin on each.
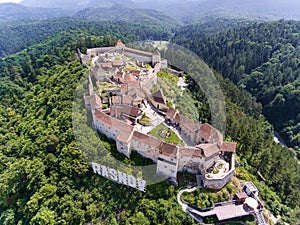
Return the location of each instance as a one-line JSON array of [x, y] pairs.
[[120, 46], [156, 57]]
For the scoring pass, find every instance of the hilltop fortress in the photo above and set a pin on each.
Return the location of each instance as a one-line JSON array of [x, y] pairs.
[[124, 109]]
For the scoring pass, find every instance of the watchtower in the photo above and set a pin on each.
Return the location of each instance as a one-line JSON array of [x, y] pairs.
[[156, 57], [120, 46]]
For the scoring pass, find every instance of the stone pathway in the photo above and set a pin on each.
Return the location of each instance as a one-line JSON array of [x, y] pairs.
[[183, 205]]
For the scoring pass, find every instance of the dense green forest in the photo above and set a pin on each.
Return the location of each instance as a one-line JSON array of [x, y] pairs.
[[11, 11], [263, 58], [44, 178], [189, 11], [74, 5], [122, 13], [17, 35], [210, 25]]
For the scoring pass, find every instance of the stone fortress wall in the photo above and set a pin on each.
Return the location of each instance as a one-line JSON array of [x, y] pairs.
[[208, 145]]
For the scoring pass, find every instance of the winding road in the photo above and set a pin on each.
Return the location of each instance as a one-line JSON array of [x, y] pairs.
[[184, 206], [181, 203], [198, 215]]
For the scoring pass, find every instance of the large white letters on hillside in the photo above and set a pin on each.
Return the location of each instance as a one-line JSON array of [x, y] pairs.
[[119, 177]]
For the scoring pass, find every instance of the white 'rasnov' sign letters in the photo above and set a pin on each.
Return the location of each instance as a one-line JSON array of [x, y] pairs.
[[119, 177]]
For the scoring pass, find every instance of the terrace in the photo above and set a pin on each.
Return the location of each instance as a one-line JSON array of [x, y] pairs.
[[220, 169]]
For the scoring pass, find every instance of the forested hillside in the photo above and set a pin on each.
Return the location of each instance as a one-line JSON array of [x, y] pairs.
[[264, 58], [11, 11], [17, 35], [44, 178], [122, 13], [189, 11], [194, 10], [74, 5], [209, 25]]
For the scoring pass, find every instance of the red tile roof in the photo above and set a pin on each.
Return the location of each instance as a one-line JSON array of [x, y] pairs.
[[103, 118], [241, 195], [134, 84], [118, 110], [136, 92], [146, 139], [168, 149], [209, 149], [135, 72], [210, 134], [171, 113], [190, 152], [127, 99], [129, 86], [116, 99], [177, 118], [228, 147], [188, 123], [129, 78], [116, 124], [124, 87], [125, 130], [122, 126], [206, 131], [106, 65], [135, 111], [159, 97], [118, 63], [119, 74], [124, 137]]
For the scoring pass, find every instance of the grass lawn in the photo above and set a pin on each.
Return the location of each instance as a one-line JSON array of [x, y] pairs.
[[166, 134], [145, 119], [130, 68]]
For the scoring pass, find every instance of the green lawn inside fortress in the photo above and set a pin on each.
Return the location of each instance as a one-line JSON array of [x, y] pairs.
[[166, 134]]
